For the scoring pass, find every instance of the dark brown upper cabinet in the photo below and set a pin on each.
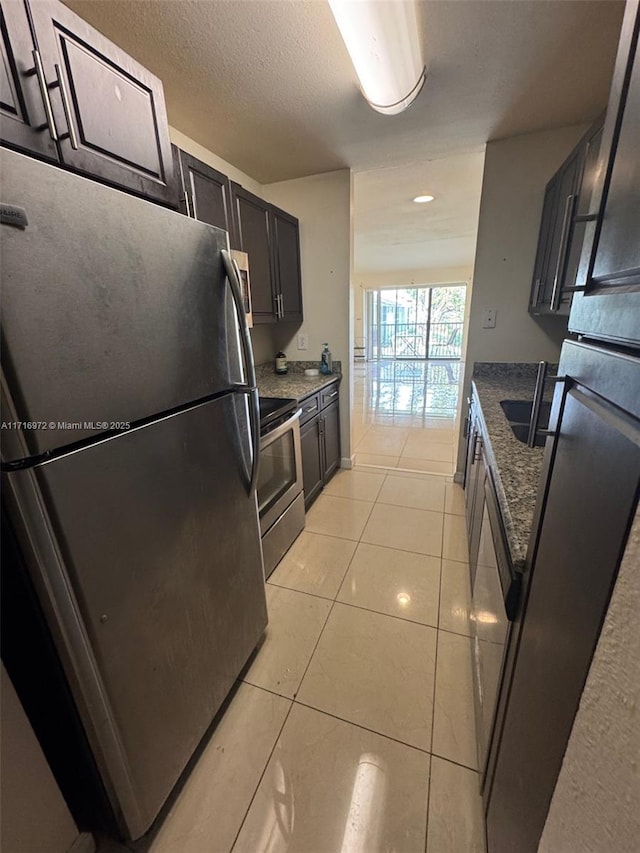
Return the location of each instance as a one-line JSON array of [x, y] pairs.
[[270, 237], [23, 122], [285, 233], [567, 197], [253, 221], [205, 193], [607, 304], [103, 111]]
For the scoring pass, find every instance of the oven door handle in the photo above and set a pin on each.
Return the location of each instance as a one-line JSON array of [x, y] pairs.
[[280, 430]]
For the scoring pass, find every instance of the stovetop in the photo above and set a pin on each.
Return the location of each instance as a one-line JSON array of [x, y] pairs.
[[273, 410]]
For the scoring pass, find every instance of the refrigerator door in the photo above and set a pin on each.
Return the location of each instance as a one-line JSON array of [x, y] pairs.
[[145, 553], [114, 309]]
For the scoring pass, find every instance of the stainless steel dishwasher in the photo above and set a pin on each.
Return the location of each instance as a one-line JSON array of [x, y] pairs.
[[495, 593]]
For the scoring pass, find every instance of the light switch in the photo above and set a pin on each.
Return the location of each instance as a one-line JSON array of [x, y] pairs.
[[303, 340], [489, 319]]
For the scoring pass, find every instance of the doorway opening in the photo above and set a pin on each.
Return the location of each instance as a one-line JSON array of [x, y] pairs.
[[407, 385]]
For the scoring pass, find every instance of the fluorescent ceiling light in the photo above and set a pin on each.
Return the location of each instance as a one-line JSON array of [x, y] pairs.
[[383, 41], [421, 199]]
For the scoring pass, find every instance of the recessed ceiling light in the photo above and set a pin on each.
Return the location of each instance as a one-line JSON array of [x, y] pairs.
[[421, 199]]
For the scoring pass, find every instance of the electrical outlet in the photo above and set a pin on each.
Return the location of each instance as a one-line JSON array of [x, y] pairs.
[[489, 319], [303, 340]]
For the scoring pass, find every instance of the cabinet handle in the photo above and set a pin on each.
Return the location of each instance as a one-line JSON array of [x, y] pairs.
[[187, 205], [281, 305], [332, 394], [276, 299], [536, 408], [562, 254], [478, 449], [310, 409], [536, 293], [44, 92], [66, 106]]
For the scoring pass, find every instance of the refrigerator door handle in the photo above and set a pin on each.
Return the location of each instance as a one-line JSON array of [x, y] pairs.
[[233, 276]]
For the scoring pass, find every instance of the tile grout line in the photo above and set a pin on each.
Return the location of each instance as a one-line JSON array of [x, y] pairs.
[[264, 769], [370, 609], [435, 682], [292, 700]]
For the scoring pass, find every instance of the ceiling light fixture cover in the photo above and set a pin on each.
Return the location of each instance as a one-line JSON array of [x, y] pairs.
[[383, 41], [421, 199]]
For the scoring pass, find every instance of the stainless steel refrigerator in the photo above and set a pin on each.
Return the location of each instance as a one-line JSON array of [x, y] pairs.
[[129, 456]]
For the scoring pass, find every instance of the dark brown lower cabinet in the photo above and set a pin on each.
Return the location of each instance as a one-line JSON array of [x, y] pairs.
[[320, 441], [584, 513], [331, 433], [476, 469], [312, 473]]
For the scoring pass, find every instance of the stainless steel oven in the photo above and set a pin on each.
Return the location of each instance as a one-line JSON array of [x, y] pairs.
[[280, 496]]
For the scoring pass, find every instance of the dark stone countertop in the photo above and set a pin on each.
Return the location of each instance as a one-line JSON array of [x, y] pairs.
[[294, 383], [516, 467]]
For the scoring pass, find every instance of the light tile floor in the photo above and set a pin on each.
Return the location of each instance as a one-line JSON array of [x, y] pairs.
[[405, 415], [352, 730]]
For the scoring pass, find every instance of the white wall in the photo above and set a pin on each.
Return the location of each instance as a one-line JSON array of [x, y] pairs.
[[323, 204], [196, 150], [516, 172], [596, 802], [406, 278]]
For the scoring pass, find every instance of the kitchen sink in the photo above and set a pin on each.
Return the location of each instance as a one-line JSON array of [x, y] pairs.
[[518, 415]]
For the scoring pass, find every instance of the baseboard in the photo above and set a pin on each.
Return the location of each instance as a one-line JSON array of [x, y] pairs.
[[347, 461], [458, 477]]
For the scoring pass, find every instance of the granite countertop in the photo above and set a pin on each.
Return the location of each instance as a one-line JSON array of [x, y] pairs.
[[516, 467], [294, 383]]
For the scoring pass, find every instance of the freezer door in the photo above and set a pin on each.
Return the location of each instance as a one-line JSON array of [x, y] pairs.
[[114, 309], [145, 551]]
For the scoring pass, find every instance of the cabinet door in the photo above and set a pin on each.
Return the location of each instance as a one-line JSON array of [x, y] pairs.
[[312, 461], [331, 439], [109, 111], [477, 512], [582, 206], [610, 263], [617, 258], [592, 496], [474, 495], [23, 123], [206, 194], [254, 234], [544, 238], [286, 253], [558, 238]]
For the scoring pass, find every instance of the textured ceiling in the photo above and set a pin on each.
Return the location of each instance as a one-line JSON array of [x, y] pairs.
[[268, 86], [394, 233]]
